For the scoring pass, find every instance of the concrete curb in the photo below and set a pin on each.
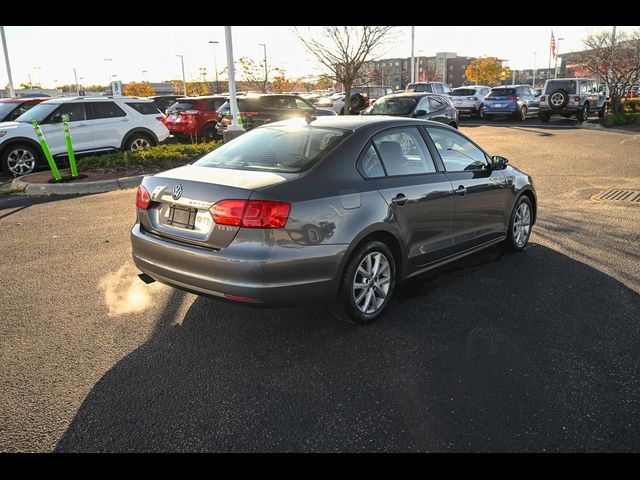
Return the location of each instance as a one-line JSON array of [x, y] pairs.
[[22, 184]]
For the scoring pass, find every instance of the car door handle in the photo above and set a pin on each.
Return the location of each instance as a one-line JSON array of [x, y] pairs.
[[461, 190], [399, 199]]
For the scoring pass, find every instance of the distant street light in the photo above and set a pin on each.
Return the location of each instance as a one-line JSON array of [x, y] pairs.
[[533, 82], [215, 64], [109, 69], [266, 77], [184, 80]]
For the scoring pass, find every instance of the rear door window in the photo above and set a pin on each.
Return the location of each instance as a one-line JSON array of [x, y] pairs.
[[404, 152], [145, 108], [370, 165], [108, 110]]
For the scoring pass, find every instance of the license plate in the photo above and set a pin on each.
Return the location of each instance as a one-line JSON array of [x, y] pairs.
[[182, 217], [497, 105]]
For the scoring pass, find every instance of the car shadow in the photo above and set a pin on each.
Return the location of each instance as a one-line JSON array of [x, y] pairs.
[[531, 351]]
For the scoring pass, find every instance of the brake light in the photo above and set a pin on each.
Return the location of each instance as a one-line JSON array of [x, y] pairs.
[[513, 97], [143, 199], [251, 213], [542, 98], [577, 98]]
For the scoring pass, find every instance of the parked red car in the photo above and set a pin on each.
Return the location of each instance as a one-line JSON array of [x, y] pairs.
[[194, 117], [12, 108]]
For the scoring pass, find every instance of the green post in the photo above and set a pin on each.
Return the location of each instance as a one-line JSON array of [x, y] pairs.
[[67, 138], [47, 152]]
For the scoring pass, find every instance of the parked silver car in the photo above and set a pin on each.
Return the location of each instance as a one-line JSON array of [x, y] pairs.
[[336, 209]]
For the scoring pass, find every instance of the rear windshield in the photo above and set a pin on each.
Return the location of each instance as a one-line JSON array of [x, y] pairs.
[[463, 92], [393, 106], [145, 108], [288, 149], [553, 85], [418, 87], [243, 105], [181, 105], [501, 92]]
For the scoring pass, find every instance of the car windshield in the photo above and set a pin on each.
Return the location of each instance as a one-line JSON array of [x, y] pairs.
[[420, 87], [501, 92], [463, 92], [38, 113], [287, 149], [392, 106], [6, 108], [569, 86]]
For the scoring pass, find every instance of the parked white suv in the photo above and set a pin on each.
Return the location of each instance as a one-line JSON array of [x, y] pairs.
[[96, 125], [469, 99], [572, 96]]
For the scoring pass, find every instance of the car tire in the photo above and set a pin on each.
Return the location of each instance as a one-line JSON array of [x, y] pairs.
[[522, 113], [480, 114], [583, 113], [357, 102], [544, 117], [20, 159], [358, 291], [209, 133], [138, 141], [454, 125], [520, 225], [603, 112], [558, 99]]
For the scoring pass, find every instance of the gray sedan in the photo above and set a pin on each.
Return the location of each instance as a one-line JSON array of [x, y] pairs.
[[335, 209]]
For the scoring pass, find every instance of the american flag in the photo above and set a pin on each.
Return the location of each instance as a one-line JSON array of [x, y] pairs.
[[553, 46]]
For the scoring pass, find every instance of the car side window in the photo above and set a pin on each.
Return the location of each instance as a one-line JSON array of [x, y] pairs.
[[302, 105], [423, 104], [370, 165], [404, 152], [75, 111], [18, 111], [106, 110], [435, 104], [458, 154], [584, 88], [446, 89], [438, 88]]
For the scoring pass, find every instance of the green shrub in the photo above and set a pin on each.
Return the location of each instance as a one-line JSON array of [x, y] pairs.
[[163, 156]]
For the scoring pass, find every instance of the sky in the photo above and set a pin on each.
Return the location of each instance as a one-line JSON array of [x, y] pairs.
[[50, 53]]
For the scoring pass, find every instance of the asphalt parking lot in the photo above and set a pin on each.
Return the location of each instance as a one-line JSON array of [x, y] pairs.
[[534, 351]]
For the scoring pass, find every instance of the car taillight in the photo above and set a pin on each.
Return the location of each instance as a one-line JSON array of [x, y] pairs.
[[577, 98], [143, 199], [161, 119], [513, 97], [251, 213], [542, 98]]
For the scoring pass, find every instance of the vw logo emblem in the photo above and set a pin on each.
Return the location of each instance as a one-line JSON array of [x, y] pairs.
[[177, 192]]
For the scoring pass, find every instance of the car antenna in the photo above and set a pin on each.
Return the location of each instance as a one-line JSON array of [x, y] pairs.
[[309, 118]]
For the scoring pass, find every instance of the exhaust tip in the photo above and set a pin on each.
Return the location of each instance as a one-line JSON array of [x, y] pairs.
[[146, 278]]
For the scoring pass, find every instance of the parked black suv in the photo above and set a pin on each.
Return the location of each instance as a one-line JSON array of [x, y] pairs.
[[256, 110]]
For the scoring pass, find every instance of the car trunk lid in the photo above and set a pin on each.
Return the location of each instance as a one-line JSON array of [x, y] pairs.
[[181, 199]]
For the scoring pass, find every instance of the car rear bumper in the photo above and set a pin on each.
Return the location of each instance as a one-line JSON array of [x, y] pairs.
[[261, 265], [569, 109], [184, 128]]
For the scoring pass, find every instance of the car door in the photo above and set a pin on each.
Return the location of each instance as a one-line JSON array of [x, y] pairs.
[[109, 123], [437, 110], [79, 127], [420, 198], [481, 194], [534, 103]]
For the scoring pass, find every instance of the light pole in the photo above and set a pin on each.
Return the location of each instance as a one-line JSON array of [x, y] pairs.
[[75, 75], [203, 72], [215, 63], [413, 77], [39, 78], [109, 69], [12, 92], [444, 69], [533, 82], [184, 80], [266, 77], [555, 74], [234, 127]]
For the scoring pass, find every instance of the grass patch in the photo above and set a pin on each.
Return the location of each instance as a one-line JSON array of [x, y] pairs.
[[162, 156]]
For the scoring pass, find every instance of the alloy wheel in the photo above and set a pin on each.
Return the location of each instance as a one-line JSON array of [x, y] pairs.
[[522, 224], [140, 144], [371, 283], [21, 161]]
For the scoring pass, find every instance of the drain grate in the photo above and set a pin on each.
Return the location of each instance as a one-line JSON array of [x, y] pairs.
[[618, 196]]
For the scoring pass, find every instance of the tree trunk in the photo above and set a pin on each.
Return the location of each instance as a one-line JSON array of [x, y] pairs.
[[347, 97]]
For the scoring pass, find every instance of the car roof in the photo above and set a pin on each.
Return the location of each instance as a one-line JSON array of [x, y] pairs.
[[96, 99], [201, 97], [22, 99], [414, 94], [355, 122]]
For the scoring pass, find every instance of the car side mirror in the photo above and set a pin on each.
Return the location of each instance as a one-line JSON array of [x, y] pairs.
[[420, 113], [498, 162]]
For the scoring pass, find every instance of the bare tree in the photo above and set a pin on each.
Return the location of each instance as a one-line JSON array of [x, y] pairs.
[[344, 50], [616, 60]]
